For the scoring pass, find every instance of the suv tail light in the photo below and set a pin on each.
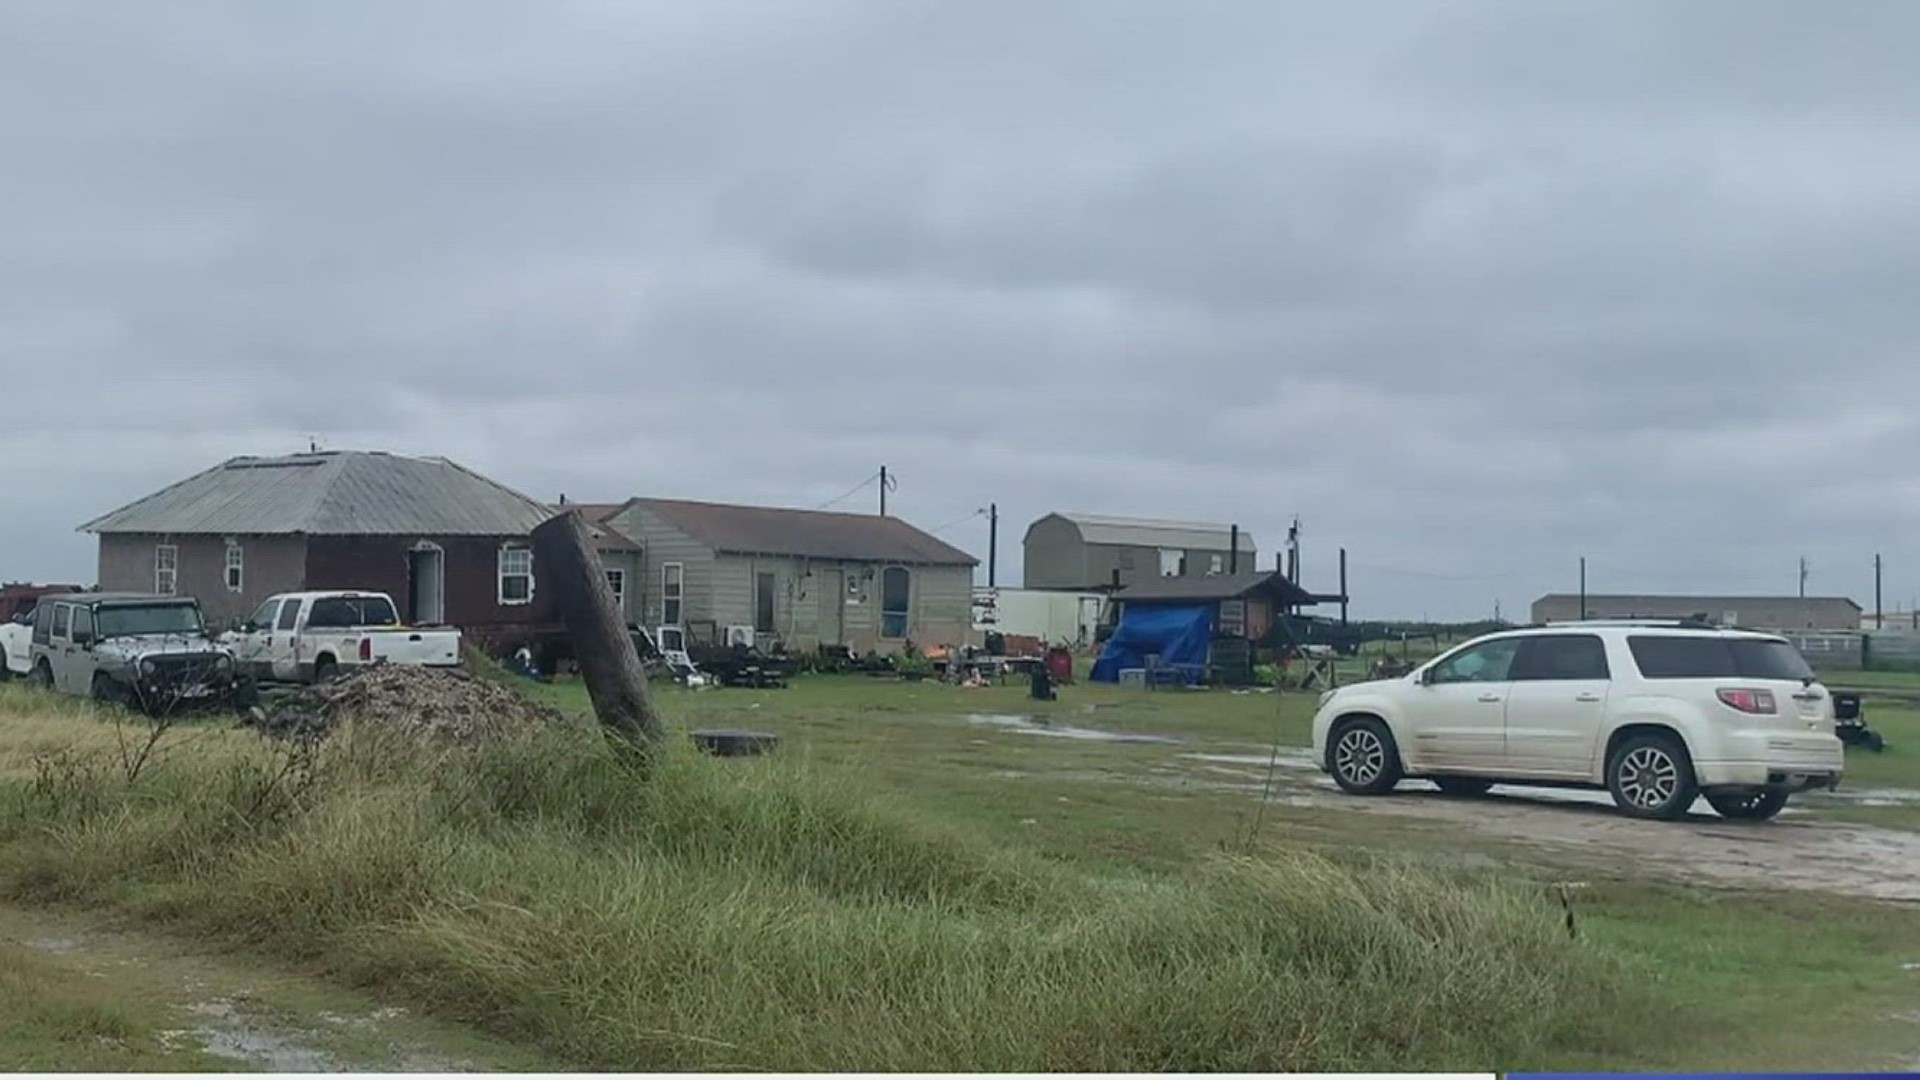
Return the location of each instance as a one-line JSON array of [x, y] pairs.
[[366, 655], [1758, 702]]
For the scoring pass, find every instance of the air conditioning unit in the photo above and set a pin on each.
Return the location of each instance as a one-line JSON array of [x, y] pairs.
[[740, 635]]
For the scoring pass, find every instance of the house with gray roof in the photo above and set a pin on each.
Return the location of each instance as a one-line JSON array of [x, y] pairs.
[[1759, 612], [804, 578], [450, 545], [1096, 551]]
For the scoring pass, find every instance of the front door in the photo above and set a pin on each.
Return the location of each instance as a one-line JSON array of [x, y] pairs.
[[1556, 705], [426, 586], [1459, 716], [282, 650], [832, 624], [250, 644]]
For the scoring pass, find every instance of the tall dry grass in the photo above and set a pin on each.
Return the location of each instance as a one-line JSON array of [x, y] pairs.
[[757, 915]]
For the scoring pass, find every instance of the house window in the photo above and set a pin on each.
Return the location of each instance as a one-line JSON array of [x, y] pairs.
[[516, 575], [895, 588], [166, 569], [1173, 562], [617, 584], [1216, 564], [763, 602], [673, 581], [236, 568]]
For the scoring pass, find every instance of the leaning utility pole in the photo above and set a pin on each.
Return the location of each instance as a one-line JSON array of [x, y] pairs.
[[609, 666]]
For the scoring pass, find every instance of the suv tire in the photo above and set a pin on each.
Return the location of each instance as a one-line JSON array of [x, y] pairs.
[[1651, 776], [106, 690], [1463, 787], [41, 677], [1759, 805], [1363, 758]]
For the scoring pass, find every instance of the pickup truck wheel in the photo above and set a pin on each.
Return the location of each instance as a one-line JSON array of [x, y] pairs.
[[1759, 805], [1463, 787], [1363, 757], [325, 669], [1651, 776]]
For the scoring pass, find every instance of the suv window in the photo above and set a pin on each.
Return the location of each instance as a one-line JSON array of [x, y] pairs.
[[1491, 662], [1700, 657], [1562, 656], [82, 622], [42, 624], [61, 613]]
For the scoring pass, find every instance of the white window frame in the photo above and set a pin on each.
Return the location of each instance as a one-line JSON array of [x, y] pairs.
[[673, 590], [166, 569], [617, 574], [906, 613], [503, 573], [1173, 562], [236, 567], [1216, 564]]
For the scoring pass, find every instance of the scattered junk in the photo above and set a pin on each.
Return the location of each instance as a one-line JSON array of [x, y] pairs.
[[424, 702], [1850, 722], [736, 660], [732, 743]]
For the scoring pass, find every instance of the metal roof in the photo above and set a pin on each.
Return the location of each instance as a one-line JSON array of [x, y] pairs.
[[1150, 532], [1615, 599], [1201, 590], [816, 534], [330, 493]]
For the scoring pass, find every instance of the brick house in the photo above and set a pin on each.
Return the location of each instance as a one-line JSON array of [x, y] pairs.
[[451, 546]]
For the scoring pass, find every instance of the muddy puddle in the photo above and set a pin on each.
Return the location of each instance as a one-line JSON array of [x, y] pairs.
[[1030, 725]]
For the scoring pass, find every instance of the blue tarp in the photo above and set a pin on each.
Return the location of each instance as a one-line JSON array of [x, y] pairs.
[[1177, 633]]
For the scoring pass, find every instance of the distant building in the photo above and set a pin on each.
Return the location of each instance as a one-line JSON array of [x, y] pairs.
[[1089, 551], [1759, 612]]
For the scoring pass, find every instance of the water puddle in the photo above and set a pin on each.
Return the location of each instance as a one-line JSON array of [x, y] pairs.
[[228, 1034], [1028, 725], [1867, 797], [1298, 760]]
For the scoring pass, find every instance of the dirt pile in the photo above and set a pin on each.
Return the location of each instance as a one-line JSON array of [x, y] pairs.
[[436, 703]]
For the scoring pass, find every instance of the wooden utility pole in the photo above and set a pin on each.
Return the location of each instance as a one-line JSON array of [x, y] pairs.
[[1583, 587], [616, 683], [993, 544], [883, 491], [1343, 586], [1803, 577], [1879, 615]]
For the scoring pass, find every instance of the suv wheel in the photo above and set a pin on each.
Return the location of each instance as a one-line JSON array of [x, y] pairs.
[[1748, 805], [106, 690], [1464, 787], [1363, 757], [41, 677], [1651, 776]]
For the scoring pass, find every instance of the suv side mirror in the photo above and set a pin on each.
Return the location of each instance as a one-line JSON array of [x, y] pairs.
[[1426, 676]]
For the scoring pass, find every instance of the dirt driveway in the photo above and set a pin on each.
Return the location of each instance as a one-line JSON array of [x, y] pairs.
[[1581, 828]]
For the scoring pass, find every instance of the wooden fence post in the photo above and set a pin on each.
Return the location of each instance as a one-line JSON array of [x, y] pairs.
[[564, 561]]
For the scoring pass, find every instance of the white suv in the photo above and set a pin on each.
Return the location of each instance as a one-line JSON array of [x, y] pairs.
[[1657, 713]]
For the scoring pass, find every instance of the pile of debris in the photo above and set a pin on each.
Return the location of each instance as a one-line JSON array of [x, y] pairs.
[[430, 703]]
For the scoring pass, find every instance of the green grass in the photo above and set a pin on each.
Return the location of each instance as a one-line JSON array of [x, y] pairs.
[[762, 914], [900, 889], [55, 1019]]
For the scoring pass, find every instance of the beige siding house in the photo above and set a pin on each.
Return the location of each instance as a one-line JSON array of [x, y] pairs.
[[1759, 612], [1091, 551], [804, 578]]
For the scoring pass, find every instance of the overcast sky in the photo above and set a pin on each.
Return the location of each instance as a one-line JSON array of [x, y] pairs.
[[1473, 288]]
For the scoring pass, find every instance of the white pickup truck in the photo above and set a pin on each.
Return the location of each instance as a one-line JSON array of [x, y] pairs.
[[311, 636]]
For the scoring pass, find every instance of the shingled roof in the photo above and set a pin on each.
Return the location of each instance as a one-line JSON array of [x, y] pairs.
[[816, 534], [330, 493]]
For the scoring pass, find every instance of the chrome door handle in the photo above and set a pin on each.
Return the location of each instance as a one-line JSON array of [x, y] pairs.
[[1489, 697], [1588, 697]]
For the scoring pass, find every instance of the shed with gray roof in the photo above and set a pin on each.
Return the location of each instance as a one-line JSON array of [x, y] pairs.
[[1096, 551], [450, 545]]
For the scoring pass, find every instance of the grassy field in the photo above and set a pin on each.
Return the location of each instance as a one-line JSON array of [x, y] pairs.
[[917, 881]]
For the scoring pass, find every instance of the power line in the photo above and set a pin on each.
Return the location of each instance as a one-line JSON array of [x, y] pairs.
[[855, 490], [958, 521]]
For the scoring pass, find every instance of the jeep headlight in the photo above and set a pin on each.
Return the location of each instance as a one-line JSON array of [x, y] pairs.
[[148, 667]]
